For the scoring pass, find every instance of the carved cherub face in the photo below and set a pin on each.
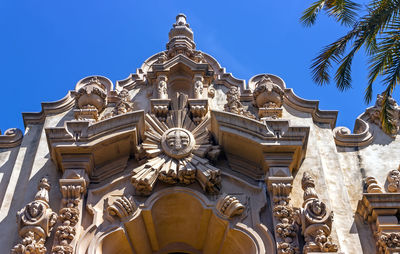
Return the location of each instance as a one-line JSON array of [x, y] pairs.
[[317, 207], [35, 209]]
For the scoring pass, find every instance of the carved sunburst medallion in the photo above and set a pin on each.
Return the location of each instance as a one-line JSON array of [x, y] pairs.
[[176, 153]]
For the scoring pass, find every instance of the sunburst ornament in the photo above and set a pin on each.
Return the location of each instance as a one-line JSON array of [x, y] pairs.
[[176, 152]]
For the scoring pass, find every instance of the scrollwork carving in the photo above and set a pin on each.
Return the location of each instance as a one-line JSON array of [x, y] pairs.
[[35, 222], [229, 206], [388, 240], [122, 207], [316, 220]]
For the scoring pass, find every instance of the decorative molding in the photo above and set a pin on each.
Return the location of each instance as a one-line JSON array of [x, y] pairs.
[[11, 138], [362, 135], [35, 222]]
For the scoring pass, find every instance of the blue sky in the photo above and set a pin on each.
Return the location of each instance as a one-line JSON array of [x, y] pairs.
[[47, 46]]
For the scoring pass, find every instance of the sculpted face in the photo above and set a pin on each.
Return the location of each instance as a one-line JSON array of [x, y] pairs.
[[177, 142]]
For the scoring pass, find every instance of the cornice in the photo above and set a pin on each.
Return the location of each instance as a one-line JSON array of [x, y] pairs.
[[11, 138], [48, 108], [312, 107]]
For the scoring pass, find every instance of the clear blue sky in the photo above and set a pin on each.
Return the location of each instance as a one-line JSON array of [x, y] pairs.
[[47, 46]]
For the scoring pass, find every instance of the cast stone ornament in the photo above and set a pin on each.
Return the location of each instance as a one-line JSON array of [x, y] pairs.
[[122, 207], [35, 222], [316, 220], [176, 152], [234, 105], [374, 114], [284, 215], [229, 206], [372, 185], [268, 98], [388, 240], [393, 179]]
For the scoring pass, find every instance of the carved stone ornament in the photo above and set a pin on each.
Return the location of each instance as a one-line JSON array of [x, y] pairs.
[[73, 185], [316, 220], [374, 114], [91, 99], [229, 206], [176, 152], [234, 105], [388, 240], [284, 219], [372, 185], [35, 222], [122, 207], [268, 98], [393, 179]]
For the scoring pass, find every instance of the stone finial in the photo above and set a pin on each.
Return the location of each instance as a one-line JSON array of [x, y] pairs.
[[180, 38], [35, 222]]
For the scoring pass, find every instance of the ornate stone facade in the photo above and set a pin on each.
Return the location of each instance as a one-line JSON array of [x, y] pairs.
[[183, 157]]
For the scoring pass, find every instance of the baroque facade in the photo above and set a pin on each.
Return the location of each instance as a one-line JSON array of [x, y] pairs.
[[181, 157]]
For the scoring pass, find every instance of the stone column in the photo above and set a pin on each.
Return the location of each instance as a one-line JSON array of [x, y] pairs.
[[73, 187]]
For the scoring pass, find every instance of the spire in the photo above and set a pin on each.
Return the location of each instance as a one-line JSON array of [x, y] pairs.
[[180, 37]]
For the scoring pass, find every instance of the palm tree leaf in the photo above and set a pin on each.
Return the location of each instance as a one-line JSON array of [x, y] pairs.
[[310, 14]]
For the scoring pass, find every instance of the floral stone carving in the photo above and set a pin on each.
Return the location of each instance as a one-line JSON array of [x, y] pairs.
[[35, 222], [176, 152], [316, 220], [388, 240]]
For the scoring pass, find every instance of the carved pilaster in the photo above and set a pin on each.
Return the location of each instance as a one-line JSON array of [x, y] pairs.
[[35, 222], [316, 220], [284, 215], [72, 186]]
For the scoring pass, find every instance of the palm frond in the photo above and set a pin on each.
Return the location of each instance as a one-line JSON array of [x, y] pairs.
[[310, 14]]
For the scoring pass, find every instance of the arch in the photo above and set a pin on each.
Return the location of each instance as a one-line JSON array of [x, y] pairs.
[[178, 220]]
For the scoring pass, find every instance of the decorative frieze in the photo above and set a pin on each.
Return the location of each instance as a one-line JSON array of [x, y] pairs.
[[35, 222]]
